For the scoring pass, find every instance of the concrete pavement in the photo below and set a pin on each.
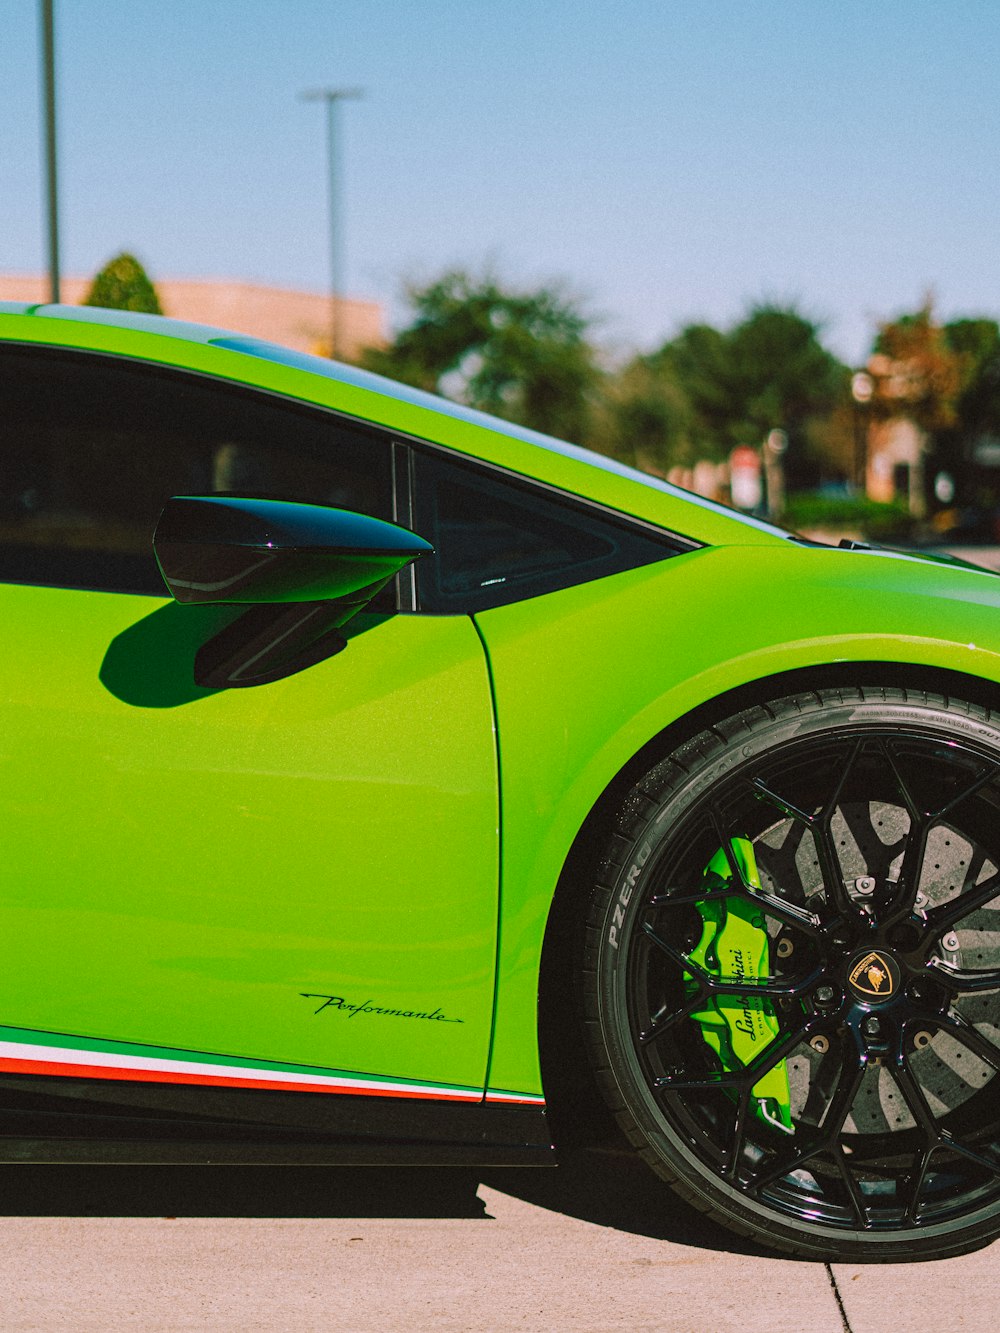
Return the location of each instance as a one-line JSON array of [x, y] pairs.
[[596, 1246]]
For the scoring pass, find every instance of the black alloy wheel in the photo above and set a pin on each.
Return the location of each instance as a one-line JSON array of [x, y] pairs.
[[874, 821]]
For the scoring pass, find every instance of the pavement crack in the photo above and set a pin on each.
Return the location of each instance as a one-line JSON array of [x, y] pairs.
[[837, 1297]]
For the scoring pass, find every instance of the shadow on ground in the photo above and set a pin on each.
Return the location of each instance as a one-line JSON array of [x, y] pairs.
[[238, 1191], [612, 1188], [607, 1188]]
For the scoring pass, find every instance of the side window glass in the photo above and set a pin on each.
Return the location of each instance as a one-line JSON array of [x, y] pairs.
[[497, 541], [91, 447]]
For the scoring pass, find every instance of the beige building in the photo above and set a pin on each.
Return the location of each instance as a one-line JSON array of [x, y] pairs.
[[295, 319], [896, 446]]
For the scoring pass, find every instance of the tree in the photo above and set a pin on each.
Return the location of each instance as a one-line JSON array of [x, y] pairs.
[[976, 343], [696, 363], [644, 419], [706, 391], [523, 356], [122, 284], [783, 375], [917, 374], [974, 424]]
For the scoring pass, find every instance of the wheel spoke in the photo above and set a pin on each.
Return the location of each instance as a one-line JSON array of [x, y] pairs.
[[725, 841], [785, 807], [852, 1071], [915, 1182], [970, 1037], [694, 970], [833, 880], [910, 801], [734, 1151], [915, 848], [982, 781], [964, 981], [787, 988], [787, 913], [949, 914], [853, 1189], [913, 1095], [777, 1050], [963, 1148], [826, 848], [663, 1025]]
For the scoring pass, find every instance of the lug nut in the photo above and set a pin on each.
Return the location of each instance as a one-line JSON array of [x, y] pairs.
[[872, 1027], [825, 995]]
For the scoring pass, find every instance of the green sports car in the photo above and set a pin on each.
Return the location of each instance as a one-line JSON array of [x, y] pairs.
[[380, 779]]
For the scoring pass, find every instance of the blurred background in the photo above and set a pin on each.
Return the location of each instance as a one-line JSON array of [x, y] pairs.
[[749, 246]]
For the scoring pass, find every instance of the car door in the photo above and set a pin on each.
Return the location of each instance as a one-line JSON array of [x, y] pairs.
[[279, 881]]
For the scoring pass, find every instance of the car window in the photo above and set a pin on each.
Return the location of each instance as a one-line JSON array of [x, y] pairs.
[[498, 541], [92, 446]]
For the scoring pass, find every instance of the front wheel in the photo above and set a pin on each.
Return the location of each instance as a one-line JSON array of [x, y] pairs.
[[792, 973]]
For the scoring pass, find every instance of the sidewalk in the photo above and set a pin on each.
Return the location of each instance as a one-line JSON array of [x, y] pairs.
[[598, 1248]]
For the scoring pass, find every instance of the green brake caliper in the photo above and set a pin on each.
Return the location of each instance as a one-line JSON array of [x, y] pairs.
[[734, 945]]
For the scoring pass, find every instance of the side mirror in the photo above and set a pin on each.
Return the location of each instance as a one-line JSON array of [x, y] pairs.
[[304, 569]]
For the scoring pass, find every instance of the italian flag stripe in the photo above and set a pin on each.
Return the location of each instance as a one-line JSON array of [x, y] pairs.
[[67, 1062], [48, 1053], [496, 1096]]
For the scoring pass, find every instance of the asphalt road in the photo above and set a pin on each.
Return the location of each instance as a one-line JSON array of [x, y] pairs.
[[592, 1246]]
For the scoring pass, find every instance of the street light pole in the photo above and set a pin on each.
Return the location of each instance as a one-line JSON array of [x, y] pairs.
[[332, 96], [51, 189], [862, 388]]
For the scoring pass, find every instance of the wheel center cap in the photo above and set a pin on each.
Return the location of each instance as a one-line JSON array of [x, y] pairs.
[[874, 976]]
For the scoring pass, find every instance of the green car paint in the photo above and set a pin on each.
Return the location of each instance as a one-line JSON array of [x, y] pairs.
[[673, 637], [387, 828], [734, 945], [180, 874]]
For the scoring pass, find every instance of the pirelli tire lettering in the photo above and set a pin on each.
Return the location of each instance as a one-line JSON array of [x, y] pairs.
[[625, 894]]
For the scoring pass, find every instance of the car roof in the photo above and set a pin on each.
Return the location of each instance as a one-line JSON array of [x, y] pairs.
[[399, 407]]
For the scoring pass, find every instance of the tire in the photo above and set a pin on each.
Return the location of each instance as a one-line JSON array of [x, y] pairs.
[[791, 973]]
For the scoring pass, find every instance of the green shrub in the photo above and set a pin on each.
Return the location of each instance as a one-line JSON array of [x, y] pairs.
[[122, 284], [881, 522]]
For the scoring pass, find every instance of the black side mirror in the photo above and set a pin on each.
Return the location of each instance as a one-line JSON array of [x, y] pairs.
[[305, 570]]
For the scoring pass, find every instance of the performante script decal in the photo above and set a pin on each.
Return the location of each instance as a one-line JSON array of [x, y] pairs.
[[353, 1010]]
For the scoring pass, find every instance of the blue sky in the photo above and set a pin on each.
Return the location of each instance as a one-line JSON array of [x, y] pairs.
[[668, 161]]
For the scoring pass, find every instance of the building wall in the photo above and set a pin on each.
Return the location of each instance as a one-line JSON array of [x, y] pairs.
[[896, 450], [295, 319]]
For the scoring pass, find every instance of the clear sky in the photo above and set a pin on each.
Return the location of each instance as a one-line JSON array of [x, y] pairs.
[[669, 160]]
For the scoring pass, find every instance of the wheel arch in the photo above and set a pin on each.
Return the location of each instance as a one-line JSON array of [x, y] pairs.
[[576, 1109]]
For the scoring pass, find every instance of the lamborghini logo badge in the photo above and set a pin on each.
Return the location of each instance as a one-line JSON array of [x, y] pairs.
[[873, 976]]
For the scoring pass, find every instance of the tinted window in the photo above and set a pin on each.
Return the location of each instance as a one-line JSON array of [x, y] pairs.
[[91, 447], [497, 541]]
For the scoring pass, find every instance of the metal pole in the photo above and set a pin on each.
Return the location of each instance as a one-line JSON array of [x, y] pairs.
[[862, 389], [51, 178], [331, 96], [335, 275]]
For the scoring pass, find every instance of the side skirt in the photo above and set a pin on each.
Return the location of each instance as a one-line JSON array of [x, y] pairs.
[[58, 1119]]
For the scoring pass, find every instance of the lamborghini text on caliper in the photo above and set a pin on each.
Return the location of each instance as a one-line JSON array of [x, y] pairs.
[[734, 947]]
